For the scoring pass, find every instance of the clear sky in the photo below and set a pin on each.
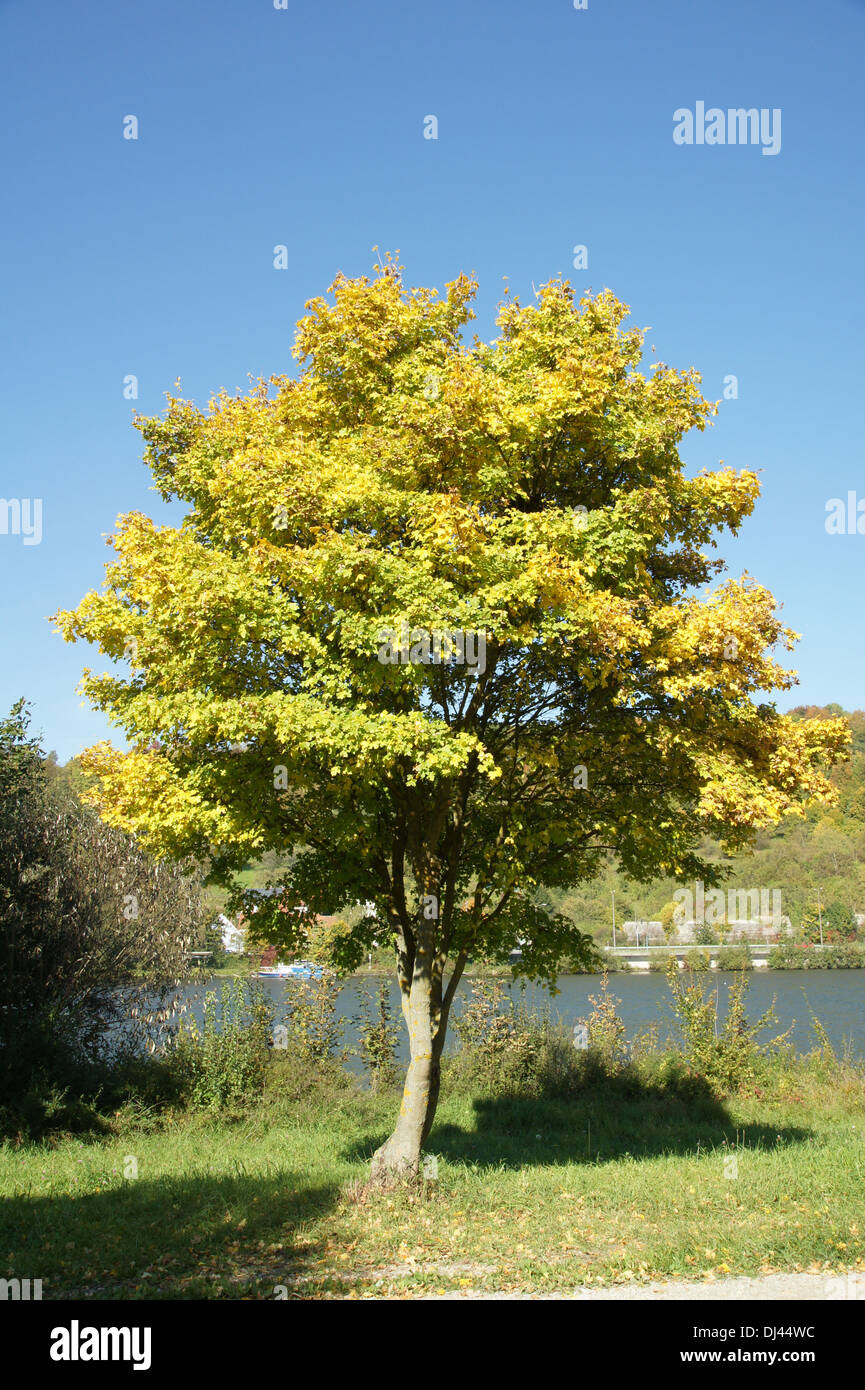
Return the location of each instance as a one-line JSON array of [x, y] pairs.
[[304, 126]]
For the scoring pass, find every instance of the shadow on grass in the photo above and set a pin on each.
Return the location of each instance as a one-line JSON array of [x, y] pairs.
[[608, 1120], [203, 1237]]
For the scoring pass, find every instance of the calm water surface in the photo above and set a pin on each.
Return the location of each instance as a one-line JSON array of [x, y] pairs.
[[836, 997]]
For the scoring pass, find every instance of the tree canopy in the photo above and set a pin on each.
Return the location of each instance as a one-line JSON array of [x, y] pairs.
[[437, 623]]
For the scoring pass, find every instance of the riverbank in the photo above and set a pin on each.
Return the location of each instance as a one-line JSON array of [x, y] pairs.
[[836, 997], [617, 1186], [231, 1167]]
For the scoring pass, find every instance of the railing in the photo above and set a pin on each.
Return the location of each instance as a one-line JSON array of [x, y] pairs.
[[758, 951], [682, 948]]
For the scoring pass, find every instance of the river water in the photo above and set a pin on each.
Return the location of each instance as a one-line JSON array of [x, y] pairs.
[[836, 997]]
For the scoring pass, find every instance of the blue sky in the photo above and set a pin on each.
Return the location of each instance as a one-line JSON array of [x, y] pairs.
[[305, 127]]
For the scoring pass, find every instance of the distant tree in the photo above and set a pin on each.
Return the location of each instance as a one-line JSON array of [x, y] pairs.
[[667, 918], [839, 918], [705, 935], [836, 920]]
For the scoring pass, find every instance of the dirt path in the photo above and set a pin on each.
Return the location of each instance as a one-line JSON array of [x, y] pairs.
[[784, 1287]]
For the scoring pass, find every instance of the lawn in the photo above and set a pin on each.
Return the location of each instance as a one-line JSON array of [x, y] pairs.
[[624, 1182]]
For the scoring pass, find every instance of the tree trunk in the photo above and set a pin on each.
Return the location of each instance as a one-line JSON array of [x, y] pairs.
[[399, 1159], [426, 1010]]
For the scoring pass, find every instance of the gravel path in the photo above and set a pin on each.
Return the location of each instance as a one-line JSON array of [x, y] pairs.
[[784, 1287]]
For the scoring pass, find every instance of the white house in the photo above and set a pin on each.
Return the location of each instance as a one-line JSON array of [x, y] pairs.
[[232, 936]]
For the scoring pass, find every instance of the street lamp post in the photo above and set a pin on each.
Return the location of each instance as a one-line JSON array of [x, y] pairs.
[[820, 916]]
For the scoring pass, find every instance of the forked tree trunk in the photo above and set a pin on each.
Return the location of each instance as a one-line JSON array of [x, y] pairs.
[[400, 1157], [426, 1015]]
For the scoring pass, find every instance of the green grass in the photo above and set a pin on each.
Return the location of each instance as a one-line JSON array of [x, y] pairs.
[[624, 1182]]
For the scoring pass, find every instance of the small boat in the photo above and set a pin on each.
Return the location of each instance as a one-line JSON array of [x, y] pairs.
[[295, 970]]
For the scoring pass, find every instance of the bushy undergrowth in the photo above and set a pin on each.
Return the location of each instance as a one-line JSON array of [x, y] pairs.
[[659, 961], [733, 958], [506, 1050], [378, 1035], [237, 1057], [789, 955], [223, 1061], [73, 1096], [726, 1051], [313, 1021], [717, 958], [94, 939]]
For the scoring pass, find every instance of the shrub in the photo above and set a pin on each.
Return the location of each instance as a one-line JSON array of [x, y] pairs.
[[728, 1055], [734, 958], [46, 1108], [222, 1062], [660, 961], [93, 934], [615, 965], [294, 1075], [506, 1050], [846, 955], [313, 1020], [697, 960], [789, 955], [378, 1036], [605, 1030]]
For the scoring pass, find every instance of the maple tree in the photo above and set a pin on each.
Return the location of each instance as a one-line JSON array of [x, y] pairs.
[[528, 491]]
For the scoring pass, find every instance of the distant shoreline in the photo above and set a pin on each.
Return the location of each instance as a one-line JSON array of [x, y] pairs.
[[504, 972]]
